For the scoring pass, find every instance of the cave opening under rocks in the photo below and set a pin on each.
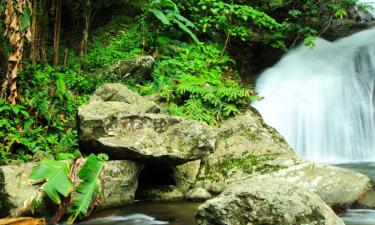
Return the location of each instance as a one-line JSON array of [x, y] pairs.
[[155, 176]]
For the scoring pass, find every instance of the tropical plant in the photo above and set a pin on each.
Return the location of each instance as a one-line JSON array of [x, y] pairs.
[[168, 13], [87, 188], [57, 178]]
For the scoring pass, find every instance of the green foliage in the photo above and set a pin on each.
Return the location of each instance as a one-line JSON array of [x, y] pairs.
[[198, 83], [89, 174], [44, 118], [55, 176], [168, 13], [15, 129], [277, 23], [114, 42], [224, 19]]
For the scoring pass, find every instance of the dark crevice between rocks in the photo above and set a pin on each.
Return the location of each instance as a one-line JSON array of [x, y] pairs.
[[5, 203], [154, 178]]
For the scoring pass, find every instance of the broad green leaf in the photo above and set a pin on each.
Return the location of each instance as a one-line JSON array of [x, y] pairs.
[[187, 30], [85, 190], [55, 174], [161, 16], [65, 156]]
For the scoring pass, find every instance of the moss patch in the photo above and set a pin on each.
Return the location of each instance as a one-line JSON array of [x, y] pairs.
[[248, 164]]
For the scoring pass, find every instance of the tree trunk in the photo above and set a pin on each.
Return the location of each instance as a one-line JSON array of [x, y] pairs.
[[14, 12], [57, 32], [83, 44], [43, 25], [34, 31]]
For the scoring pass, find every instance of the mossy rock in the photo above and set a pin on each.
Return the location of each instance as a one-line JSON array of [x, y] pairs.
[[245, 146]]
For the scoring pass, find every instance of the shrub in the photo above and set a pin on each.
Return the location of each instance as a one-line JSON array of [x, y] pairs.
[[197, 82]]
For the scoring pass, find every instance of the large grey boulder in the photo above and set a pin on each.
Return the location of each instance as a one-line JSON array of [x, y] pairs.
[[335, 186], [138, 68], [122, 126], [259, 202], [119, 180], [245, 146]]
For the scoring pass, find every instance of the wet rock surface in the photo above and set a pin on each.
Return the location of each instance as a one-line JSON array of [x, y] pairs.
[[258, 202]]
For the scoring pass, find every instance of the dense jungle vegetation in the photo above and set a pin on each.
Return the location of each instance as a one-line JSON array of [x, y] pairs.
[[50, 49], [205, 50]]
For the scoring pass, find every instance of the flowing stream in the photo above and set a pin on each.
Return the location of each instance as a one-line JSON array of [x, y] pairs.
[[147, 213]]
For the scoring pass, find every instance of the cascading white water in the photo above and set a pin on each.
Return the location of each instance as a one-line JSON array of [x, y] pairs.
[[322, 99], [370, 3]]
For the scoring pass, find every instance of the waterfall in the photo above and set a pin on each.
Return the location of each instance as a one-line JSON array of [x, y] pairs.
[[322, 99], [370, 3]]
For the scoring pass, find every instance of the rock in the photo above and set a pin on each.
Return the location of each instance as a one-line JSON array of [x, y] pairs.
[[119, 180], [23, 221], [5, 203], [198, 195], [160, 101], [39, 156], [335, 186], [185, 175], [121, 98], [346, 27], [121, 126], [367, 200], [160, 193], [259, 202], [138, 69], [157, 138], [14, 186], [245, 146]]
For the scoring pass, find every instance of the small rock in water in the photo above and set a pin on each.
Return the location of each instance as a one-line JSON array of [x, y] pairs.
[[160, 193], [198, 195]]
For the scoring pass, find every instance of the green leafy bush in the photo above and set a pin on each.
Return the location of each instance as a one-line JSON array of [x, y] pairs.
[[198, 83], [44, 118], [278, 23], [115, 41]]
